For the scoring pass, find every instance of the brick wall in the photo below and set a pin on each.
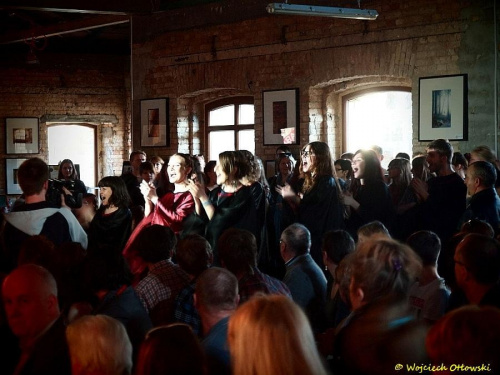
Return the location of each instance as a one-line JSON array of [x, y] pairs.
[[64, 89], [325, 58]]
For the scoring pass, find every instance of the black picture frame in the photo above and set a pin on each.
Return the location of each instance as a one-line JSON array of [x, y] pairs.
[[281, 116]]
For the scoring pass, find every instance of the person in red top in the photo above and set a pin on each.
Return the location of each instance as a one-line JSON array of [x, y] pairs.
[[170, 210]]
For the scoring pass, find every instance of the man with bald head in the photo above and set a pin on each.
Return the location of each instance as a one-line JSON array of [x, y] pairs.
[[29, 295]]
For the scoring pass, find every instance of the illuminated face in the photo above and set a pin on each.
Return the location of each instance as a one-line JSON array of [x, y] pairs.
[[176, 169], [27, 305], [285, 167], [222, 177], [67, 170], [105, 194], [157, 167], [470, 181], [358, 166], [308, 159]]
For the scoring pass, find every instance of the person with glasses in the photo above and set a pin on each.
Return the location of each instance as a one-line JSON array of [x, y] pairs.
[[318, 204], [368, 198], [343, 169]]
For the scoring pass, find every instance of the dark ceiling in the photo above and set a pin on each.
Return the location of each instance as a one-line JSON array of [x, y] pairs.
[[103, 26], [63, 26]]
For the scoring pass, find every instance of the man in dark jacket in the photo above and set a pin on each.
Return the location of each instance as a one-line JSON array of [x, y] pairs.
[[32, 309], [484, 203]]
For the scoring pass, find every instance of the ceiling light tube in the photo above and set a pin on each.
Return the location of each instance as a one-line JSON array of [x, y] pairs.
[[311, 10]]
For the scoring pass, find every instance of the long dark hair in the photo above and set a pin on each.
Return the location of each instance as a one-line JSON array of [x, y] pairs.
[[373, 170], [322, 167]]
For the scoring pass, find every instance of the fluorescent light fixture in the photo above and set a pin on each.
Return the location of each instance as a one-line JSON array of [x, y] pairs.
[[311, 10]]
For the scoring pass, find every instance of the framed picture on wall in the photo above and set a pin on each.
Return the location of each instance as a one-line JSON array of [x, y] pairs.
[[11, 167], [154, 123], [443, 108], [21, 135], [281, 116]]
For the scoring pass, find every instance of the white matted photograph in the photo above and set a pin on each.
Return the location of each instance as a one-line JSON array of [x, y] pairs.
[[443, 108], [21, 135], [281, 116]]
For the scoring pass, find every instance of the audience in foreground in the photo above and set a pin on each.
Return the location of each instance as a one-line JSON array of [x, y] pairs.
[[271, 335]]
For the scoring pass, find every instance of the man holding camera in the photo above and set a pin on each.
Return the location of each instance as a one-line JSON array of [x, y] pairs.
[[36, 216]]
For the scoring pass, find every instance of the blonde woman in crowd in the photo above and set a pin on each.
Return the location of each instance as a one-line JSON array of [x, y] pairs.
[[99, 345], [271, 335], [381, 331]]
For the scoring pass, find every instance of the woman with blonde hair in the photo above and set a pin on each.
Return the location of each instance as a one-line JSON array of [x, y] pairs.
[[381, 329], [271, 335], [318, 204], [99, 345]]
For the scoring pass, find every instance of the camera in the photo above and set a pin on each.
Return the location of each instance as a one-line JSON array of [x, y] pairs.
[[55, 189]]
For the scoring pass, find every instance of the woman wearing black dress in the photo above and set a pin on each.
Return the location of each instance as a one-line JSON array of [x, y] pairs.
[[368, 198], [318, 205]]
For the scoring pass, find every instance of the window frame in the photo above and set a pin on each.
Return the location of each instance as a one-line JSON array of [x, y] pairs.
[[236, 101], [357, 93]]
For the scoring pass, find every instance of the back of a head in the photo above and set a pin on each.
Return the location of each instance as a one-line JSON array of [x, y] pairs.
[[31, 175], [484, 153], [443, 147], [371, 230], [297, 238], [256, 328], [403, 155], [469, 335], [477, 226], [237, 250], [99, 344], [170, 350], [427, 245], [337, 244], [384, 268], [459, 159], [193, 254], [481, 257], [155, 243], [217, 290], [347, 156]]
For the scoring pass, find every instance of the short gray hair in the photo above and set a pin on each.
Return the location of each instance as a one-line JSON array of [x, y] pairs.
[[297, 238]]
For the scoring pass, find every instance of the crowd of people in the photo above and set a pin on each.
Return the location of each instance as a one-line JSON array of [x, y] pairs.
[[187, 267]]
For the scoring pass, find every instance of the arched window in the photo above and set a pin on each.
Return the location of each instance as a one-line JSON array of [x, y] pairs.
[[380, 117], [230, 125]]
